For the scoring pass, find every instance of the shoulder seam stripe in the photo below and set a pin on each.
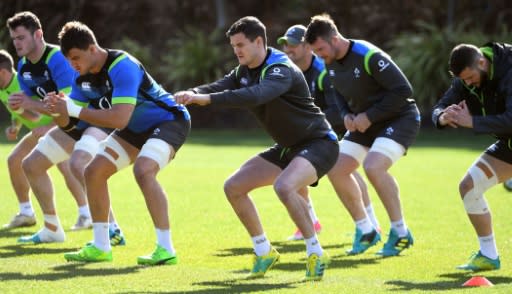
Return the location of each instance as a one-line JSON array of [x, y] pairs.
[[117, 60], [320, 78]]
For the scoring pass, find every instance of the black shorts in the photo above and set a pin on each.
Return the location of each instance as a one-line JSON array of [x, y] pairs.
[[322, 153], [75, 134], [501, 149], [174, 132], [402, 129]]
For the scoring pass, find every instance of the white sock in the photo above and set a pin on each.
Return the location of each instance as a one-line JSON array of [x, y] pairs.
[[312, 212], [84, 210], [47, 235], [371, 214], [101, 237], [365, 225], [164, 240], [113, 226], [400, 227], [488, 246], [53, 220], [261, 245], [26, 208], [313, 246]]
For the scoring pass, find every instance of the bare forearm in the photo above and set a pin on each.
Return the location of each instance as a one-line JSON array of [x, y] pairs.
[[108, 118]]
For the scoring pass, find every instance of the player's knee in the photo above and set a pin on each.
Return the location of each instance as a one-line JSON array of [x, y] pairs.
[[284, 190], [94, 173], [480, 178], [465, 185], [371, 171], [234, 189], [144, 169], [14, 161], [77, 168], [90, 173], [230, 188], [30, 166]]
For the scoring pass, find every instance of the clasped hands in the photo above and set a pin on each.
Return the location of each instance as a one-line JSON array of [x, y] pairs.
[[56, 103], [359, 122], [456, 115]]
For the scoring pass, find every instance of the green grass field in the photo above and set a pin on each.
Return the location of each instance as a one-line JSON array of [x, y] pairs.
[[215, 251]]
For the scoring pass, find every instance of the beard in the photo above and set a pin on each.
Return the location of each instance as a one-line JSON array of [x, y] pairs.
[[484, 77]]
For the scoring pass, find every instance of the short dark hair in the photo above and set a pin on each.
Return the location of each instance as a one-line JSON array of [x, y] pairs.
[[250, 26], [462, 56], [320, 26], [6, 61], [26, 19], [75, 34]]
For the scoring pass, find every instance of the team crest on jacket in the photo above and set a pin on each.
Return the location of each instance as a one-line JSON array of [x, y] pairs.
[[382, 65], [86, 86], [357, 73], [389, 131], [276, 71]]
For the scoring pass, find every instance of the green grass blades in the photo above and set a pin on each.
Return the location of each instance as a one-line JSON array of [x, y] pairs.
[[215, 251]]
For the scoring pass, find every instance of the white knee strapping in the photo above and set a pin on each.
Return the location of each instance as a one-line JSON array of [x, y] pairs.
[[474, 200], [158, 150], [357, 151], [122, 160], [389, 148], [88, 144], [51, 149]]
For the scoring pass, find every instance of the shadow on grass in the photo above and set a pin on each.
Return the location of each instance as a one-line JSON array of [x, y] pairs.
[[241, 286], [450, 281], [26, 249], [246, 286], [292, 265], [341, 262], [67, 271], [282, 247], [235, 286], [16, 233]]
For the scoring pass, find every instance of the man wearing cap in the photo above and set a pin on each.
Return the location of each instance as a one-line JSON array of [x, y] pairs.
[[327, 98]]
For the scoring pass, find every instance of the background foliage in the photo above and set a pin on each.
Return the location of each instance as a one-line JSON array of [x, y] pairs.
[[422, 55], [182, 42]]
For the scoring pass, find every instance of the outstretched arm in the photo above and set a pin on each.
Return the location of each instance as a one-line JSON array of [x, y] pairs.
[[189, 97]]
